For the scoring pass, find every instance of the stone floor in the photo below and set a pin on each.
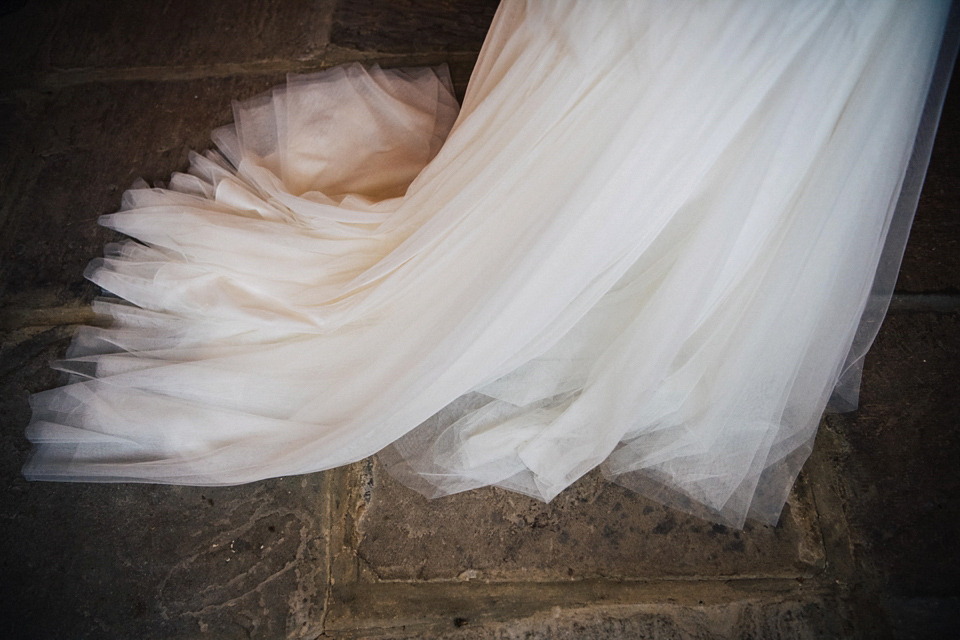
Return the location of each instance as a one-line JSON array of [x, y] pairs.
[[96, 94]]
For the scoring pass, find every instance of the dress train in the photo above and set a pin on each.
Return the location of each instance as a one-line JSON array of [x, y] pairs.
[[646, 242]]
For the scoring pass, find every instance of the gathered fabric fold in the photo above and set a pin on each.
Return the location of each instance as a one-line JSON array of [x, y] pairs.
[[646, 243]]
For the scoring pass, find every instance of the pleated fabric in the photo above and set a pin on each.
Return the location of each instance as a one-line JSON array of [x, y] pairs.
[[646, 243]]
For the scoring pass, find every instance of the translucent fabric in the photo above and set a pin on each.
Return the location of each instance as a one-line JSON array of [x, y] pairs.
[[646, 243]]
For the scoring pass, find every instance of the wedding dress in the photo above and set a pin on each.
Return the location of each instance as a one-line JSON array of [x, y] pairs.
[[646, 243]]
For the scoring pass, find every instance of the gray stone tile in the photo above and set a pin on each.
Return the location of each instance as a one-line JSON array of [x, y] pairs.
[[125, 33], [412, 25], [595, 529], [90, 143], [147, 561]]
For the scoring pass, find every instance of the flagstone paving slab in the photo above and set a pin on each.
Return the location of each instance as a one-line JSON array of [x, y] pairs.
[[800, 619], [26, 29], [119, 33], [412, 25], [94, 142], [901, 452], [149, 561], [931, 262], [594, 529]]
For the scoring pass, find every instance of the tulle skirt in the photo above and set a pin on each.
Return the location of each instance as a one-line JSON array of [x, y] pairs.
[[646, 242]]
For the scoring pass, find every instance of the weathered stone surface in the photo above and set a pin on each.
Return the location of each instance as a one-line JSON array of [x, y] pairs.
[[594, 529], [145, 561], [787, 620], [924, 618], [431, 609], [412, 25], [18, 116], [931, 262], [902, 450], [26, 29], [96, 140], [120, 33]]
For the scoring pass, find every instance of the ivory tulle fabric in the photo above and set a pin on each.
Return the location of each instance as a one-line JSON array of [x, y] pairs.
[[645, 242]]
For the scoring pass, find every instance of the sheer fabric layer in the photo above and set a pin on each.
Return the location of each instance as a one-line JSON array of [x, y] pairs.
[[645, 242]]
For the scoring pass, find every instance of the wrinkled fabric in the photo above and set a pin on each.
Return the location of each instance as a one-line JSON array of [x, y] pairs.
[[645, 243]]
